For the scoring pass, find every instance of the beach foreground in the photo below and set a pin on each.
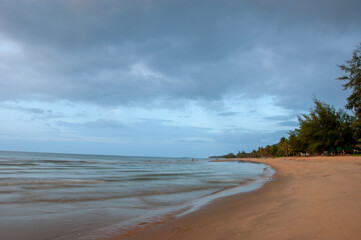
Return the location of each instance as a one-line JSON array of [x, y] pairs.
[[310, 198]]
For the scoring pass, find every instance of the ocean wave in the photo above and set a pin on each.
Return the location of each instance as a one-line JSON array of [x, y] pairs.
[[235, 180], [14, 182], [17, 164], [102, 196]]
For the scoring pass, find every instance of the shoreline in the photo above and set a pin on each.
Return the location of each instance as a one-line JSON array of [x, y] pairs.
[[309, 198], [248, 185]]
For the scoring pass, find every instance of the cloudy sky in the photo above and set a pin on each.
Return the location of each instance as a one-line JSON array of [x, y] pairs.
[[167, 78]]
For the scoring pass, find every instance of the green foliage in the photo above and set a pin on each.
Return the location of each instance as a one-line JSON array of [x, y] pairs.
[[283, 147], [295, 142], [322, 129], [274, 150], [229, 155], [352, 77]]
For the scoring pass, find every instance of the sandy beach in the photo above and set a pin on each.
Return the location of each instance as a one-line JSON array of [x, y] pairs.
[[310, 198]]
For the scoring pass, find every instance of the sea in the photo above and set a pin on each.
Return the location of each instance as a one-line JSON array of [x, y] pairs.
[[78, 196]]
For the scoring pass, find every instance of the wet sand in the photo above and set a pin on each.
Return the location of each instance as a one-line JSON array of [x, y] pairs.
[[310, 198]]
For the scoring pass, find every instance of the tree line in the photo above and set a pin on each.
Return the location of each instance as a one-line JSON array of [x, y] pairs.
[[324, 130]]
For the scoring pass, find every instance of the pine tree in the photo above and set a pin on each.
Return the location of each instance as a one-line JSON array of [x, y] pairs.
[[352, 77]]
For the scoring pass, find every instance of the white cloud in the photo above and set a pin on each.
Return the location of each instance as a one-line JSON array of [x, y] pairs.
[[9, 46], [140, 69]]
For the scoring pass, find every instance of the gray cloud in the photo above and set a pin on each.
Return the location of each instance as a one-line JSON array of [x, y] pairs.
[[36, 113], [134, 52], [293, 124], [287, 121], [36, 110], [226, 114]]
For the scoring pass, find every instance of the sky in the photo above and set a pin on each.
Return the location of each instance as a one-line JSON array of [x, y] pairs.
[[167, 78]]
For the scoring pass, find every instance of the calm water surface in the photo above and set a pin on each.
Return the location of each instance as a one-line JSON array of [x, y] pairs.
[[70, 196]]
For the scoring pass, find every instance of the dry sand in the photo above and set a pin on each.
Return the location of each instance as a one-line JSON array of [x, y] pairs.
[[310, 198]]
